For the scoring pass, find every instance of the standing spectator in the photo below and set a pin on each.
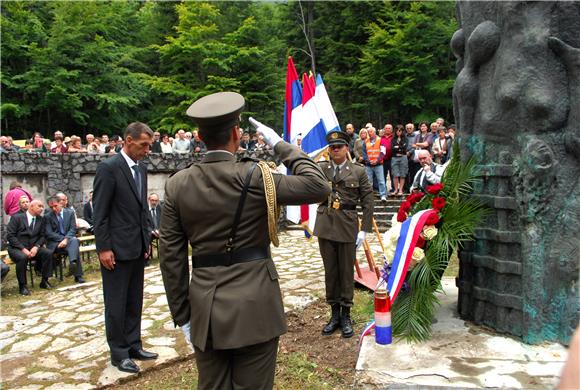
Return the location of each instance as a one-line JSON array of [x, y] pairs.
[[94, 147], [399, 163], [104, 143], [450, 139], [156, 145], [262, 145], [181, 145], [26, 239], [122, 237], [166, 144], [56, 134], [353, 137], [114, 146], [246, 143], [373, 158], [90, 138], [39, 142], [413, 165], [61, 229], [12, 198], [440, 122], [434, 126], [358, 145], [59, 147], [440, 147], [197, 144], [75, 145], [386, 141]]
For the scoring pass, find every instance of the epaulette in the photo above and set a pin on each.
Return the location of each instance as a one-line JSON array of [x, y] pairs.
[[248, 158], [359, 164], [323, 163]]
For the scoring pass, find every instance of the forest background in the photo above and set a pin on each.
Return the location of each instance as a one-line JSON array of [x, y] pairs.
[[88, 66]]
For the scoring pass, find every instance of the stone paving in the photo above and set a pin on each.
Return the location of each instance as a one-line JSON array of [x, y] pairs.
[[57, 340]]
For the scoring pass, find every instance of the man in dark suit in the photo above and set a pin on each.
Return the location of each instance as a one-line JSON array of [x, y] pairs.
[[88, 212], [155, 216], [337, 229], [61, 230], [122, 238], [233, 304], [26, 237], [156, 146]]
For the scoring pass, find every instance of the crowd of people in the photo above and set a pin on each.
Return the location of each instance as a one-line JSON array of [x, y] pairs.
[[183, 142], [392, 156]]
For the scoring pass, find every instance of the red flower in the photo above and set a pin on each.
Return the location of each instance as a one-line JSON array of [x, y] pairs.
[[435, 188], [438, 203], [432, 219], [405, 207], [401, 216], [420, 242], [414, 197]]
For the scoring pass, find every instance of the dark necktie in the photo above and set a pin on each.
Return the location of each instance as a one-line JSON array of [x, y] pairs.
[[336, 173], [154, 217], [32, 223], [137, 179], [60, 223]]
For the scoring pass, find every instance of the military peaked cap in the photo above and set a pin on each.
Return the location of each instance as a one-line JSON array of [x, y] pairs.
[[218, 111], [337, 138]]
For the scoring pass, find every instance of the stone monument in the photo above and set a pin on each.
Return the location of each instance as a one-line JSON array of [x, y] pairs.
[[517, 105]]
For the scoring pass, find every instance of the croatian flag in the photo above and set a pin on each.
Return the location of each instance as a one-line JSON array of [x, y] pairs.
[[408, 238], [308, 115]]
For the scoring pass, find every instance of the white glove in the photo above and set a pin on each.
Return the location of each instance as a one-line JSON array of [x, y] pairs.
[[362, 235], [186, 330], [270, 136]]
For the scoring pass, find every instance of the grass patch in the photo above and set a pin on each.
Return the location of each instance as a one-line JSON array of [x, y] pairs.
[[296, 371], [363, 310]]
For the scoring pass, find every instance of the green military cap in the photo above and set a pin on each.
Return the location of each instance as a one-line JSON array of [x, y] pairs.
[[217, 111], [337, 138]]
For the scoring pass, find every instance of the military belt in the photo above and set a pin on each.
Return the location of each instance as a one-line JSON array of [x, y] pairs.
[[243, 255], [343, 206]]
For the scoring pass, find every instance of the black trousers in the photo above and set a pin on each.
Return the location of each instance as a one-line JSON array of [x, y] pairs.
[[338, 259], [388, 173], [123, 295], [413, 169], [43, 258], [250, 367]]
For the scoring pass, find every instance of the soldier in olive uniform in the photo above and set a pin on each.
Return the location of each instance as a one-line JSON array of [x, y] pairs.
[[337, 226], [233, 304]]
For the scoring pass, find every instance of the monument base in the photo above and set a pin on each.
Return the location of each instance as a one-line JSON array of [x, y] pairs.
[[458, 355]]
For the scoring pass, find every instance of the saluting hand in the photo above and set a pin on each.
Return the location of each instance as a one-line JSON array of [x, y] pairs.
[[107, 259]]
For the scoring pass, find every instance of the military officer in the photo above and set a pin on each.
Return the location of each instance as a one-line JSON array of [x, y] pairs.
[[337, 226], [232, 306]]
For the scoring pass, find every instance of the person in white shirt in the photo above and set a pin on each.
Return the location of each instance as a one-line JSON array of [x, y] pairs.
[[429, 174]]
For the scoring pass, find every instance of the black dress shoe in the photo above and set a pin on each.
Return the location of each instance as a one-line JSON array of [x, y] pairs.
[[24, 291], [126, 365], [45, 285], [143, 355], [79, 279]]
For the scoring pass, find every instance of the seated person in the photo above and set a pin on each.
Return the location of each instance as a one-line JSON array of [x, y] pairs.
[[61, 231], [26, 237], [88, 212], [429, 174]]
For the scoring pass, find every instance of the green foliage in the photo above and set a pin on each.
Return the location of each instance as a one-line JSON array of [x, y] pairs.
[[95, 66], [413, 310]]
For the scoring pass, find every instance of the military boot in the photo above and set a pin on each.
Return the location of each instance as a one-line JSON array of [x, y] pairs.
[[334, 322], [346, 323]]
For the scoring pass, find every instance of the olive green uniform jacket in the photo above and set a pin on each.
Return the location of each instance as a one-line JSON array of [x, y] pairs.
[[352, 187], [239, 305]]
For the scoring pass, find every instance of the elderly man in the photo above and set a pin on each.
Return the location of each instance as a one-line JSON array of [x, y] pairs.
[[181, 144], [197, 144], [61, 229], [429, 173], [26, 239], [156, 145], [89, 138]]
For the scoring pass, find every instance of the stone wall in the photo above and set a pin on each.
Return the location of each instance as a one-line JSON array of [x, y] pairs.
[[45, 174]]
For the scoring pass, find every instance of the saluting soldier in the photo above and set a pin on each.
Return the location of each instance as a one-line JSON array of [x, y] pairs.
[[337, 228], [233, 304]]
